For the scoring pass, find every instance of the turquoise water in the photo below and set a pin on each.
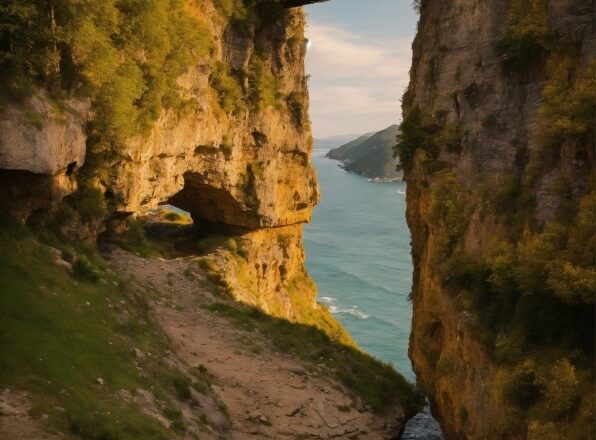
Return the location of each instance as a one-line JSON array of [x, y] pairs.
[[358, 253]]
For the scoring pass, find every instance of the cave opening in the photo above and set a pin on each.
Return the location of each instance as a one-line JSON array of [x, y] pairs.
[[200, 212]]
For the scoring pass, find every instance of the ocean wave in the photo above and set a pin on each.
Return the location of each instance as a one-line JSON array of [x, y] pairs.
[[350, 311], [329, 301], [400, 191]]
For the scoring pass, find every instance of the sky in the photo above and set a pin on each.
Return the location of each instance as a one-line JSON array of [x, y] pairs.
[[358, 60]]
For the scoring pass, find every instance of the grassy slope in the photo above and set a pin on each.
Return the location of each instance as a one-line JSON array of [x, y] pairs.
[[59, 334]]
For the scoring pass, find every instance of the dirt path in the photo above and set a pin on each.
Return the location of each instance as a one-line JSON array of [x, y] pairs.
[[268, 395], [15, 421]]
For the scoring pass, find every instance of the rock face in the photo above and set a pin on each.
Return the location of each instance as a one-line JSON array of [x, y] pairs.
[[42, 144], [239, 171], [252, 170], [483, 154], [41, 137]]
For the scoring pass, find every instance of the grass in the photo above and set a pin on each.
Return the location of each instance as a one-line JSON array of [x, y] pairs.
[[89, 202], [60, 332], [210, 244], [134, 240], [376, 383], [182, 387]]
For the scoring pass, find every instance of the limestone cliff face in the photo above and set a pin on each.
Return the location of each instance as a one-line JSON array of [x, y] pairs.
[[252, 169], [482, 159], [240, 171]]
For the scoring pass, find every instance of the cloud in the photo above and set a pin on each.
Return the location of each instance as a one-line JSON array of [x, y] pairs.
[[355, 80]]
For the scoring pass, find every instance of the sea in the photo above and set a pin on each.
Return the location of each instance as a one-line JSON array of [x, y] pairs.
[[358, 252]]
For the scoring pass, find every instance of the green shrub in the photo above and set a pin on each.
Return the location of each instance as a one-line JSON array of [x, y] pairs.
[[182, 387], [428, 133], [411, 137], [211, 243], [520, 386], [227, 150], [99, 427], [507, 193], [463, 414], [133, 239], [89, 202], [572, 283], [490, 121], [243, 253], [176, 419], [67, 255], [207, 265], [247, 16], [568, 108], [265, 86], [529, 36], [295, 102], [509, 348], [448, 209], [84, 270], [561, 390], [229, 90], [34, 118]]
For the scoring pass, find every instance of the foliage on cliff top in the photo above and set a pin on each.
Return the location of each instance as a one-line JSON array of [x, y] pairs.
[[376, 383], [249, 15], [124, 55], [61, 333], [529, 36]]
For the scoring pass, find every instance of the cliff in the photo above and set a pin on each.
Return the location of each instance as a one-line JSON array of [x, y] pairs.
[[109, 110], [497, 144], [370, 155], [227, 140]]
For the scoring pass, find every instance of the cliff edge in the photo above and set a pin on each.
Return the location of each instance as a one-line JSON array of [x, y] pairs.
[[497, 144]]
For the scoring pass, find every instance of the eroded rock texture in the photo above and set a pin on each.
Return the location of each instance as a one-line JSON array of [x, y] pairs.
[[245, 168], [486, 160]]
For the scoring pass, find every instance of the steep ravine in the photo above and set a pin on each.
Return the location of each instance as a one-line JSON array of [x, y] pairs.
[[111, 109], [498, 149]]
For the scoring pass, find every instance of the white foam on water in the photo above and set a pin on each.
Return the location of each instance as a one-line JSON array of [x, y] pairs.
[[351, 311]]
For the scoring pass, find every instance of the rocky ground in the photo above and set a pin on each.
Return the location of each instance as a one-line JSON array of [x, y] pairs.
[[267, 394]]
